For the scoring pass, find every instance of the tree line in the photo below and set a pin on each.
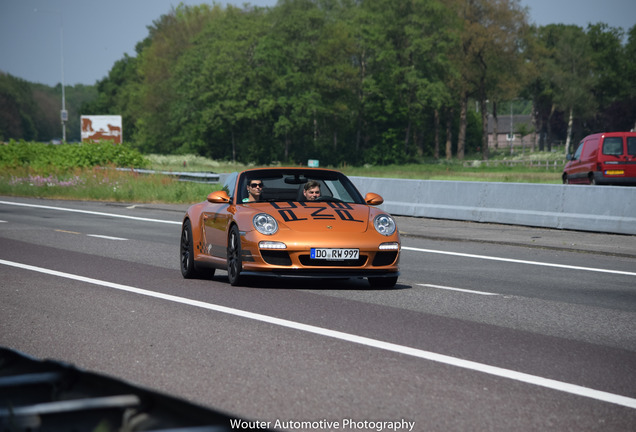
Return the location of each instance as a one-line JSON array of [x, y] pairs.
[[363, 81], [32, 111]]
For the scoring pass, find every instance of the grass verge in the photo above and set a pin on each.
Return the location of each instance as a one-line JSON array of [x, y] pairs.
[[99, 184], [36, 170]]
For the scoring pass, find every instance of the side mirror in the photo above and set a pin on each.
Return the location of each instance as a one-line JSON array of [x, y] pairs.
[[219, 197], [568, 156], [373, 199]]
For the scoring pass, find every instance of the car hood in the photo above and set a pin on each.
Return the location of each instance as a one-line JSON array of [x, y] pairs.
[[318, 217]]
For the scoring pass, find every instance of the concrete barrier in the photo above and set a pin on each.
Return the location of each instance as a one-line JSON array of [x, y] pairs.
[[610, 209]]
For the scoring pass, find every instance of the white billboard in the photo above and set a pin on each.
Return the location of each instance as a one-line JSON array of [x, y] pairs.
[[96, 128]]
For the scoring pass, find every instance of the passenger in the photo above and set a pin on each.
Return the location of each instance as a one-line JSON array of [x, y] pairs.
[[254, 190], [311, 190]]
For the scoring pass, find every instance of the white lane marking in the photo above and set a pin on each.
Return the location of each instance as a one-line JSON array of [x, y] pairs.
[[374, 343], [459, 289], [517, 261], [91, 235], [67, 232], [90, 212], [106, 237]]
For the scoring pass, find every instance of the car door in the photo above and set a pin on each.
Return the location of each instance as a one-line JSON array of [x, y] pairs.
[[574, 166], [216, 218], [613, 157]]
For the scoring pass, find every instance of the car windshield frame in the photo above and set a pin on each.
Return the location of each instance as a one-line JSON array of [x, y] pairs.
[[286, 184]]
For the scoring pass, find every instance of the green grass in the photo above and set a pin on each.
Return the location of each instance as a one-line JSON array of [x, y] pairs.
[[457, 172], [99, 184], [494, 170], [51, 177]]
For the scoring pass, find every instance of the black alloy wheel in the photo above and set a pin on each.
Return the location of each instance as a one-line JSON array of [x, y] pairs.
[[234, 262], [186, 252]]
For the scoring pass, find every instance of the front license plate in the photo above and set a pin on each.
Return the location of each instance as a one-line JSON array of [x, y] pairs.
[[335, 254]]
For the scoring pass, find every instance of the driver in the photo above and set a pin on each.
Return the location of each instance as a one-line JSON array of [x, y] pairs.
[[254, 190], [312, 190]]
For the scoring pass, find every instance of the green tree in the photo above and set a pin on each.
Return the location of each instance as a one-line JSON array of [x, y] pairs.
[[491, 35], [629, 81], [218, 97], [169, 38], [572, 74], [17, 109], [288, 54], [613, 69]]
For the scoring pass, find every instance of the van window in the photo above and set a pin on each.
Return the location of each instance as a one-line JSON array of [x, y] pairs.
[[613, 146], [590, 149], [631, 146], [577, 154]]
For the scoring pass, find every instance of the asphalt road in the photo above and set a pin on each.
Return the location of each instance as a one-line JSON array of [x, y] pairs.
[[490, 327]]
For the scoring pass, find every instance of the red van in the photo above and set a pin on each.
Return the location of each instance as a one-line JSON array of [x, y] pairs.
[[604, 158]]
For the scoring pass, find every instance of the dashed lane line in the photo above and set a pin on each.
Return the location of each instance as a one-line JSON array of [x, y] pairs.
[[458, 289]]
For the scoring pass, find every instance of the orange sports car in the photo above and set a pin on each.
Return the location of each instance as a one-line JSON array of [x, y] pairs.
[[307, 222]]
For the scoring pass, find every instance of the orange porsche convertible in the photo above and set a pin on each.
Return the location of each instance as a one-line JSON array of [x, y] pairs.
[[307, 222]]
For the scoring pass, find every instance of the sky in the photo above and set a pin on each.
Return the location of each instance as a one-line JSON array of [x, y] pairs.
[[78, 41]]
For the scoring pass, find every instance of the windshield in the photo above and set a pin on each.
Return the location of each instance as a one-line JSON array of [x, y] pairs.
[[289, 184]]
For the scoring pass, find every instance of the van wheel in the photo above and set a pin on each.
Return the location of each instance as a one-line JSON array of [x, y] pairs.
[[592, 179], [566, 180]]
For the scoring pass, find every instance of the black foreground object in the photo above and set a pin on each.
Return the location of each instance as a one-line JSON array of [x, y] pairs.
[[45, 395]]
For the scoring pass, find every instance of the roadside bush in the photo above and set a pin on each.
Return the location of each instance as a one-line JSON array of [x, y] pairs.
[[40, 156]]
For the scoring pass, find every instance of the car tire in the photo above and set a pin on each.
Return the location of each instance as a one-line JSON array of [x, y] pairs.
[[234, 262], [186, 252], [383, 282]]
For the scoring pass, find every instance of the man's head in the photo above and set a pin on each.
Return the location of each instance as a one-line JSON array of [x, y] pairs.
[[312, 190], [255, 188]]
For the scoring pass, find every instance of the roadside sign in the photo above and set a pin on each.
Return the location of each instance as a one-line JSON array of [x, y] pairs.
[[96, 128]]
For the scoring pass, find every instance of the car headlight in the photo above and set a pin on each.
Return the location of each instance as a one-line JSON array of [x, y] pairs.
[[265, 224], [384, 224]]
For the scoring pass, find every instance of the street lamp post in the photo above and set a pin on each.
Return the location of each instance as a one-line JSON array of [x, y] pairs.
[[63, 112]]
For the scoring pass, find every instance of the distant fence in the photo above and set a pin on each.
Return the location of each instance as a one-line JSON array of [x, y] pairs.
[[553, 164], [610, 209]]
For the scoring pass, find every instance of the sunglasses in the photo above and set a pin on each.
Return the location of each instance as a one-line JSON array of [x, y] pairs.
[[260, 185]]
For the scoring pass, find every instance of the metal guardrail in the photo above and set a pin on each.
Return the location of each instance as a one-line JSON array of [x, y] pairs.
[[196, 177]]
